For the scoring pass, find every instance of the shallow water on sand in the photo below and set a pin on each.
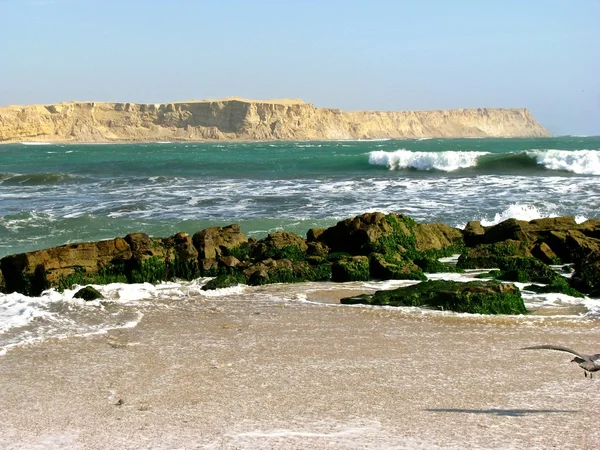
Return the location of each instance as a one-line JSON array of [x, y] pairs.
[[59, 315], [259, 371]]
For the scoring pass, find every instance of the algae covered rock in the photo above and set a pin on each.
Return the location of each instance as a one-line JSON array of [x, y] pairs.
[[280, 245], [224, 281], [586, 277], [433, 265], [391, 234], [213, 242], [286, 271], [88, 293], [394, 267], [80, 263], [182, 257], [148, 263], [473, 233], [355, 268], [490, 256], [559, 285], [477, 297]]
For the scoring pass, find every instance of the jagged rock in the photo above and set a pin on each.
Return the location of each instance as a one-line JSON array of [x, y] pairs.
[[280, 245], [478, 297], [552, 223], [212, 243], [519, 230], [2, 285], [88, 293]]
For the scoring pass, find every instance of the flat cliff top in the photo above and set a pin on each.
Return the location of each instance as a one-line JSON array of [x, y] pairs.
[[236, 118], [278, 101]]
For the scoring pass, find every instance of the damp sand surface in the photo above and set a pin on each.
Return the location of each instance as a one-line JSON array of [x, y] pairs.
[[233, 374]]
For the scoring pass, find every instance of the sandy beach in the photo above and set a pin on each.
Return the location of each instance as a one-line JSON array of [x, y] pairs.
[[231, 374]]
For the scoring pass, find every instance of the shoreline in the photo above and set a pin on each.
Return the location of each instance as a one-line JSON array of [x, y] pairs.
[[232, 373], [258, 141]]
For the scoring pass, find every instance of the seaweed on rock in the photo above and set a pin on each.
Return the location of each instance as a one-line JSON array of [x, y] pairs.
[[355, 268], [477, 297]]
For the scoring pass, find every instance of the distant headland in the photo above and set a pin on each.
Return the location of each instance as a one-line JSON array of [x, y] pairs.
[[237, 119]]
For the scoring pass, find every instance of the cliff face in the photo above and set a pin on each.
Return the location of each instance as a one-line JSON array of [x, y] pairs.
[[238, 119]]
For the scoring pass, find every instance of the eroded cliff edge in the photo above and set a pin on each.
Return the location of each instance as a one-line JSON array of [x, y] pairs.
[[239, 119]]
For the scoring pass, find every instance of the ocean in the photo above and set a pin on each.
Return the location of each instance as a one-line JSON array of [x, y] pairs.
[[52, 194]]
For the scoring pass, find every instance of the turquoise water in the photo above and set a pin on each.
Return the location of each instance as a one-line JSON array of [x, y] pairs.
[[53, 194]]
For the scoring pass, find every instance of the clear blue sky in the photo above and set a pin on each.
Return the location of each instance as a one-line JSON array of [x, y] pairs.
[[349, 54]]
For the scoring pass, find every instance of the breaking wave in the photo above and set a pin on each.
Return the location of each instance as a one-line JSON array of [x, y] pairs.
[[582, 162], [443, 161]]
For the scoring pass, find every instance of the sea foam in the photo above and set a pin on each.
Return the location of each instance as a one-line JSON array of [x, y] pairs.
[[448, 161], [520, 211], [18, 310]]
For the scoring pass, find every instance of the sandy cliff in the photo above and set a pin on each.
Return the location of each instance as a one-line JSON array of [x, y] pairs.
[[239, 119]]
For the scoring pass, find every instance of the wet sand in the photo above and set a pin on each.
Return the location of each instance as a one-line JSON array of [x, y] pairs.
[[212, 373]]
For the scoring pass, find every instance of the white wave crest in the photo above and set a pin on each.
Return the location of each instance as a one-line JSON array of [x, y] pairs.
[[585, 162], [516, 211], [445, 161], [524, 212]]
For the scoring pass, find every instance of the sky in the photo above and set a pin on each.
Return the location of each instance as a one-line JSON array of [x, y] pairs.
[[354, 55]]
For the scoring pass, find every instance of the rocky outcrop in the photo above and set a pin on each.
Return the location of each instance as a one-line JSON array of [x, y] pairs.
[[239, 119], [522, 250], [32, 272], [369, 246]]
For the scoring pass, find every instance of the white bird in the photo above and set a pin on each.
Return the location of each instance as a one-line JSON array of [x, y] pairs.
[[587, 362]]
